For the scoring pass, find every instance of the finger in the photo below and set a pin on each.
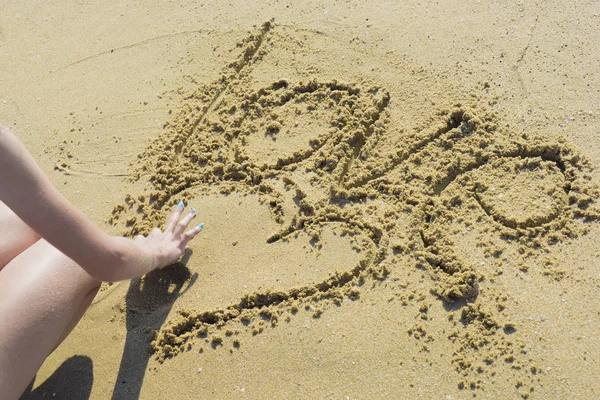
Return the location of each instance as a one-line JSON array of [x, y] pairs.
[[189, 235], [185, 221], [178, 209]]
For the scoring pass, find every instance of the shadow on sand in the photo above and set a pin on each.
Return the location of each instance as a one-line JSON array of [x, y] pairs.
[[149, 301], [72, 380]]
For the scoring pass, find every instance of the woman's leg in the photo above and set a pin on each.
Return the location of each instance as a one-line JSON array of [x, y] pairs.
[[43, 294]]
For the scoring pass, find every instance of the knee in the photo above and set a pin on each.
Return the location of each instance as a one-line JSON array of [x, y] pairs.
[[4, 131], [74, 271], [18, 235]]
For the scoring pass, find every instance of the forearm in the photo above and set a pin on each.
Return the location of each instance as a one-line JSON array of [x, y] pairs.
[[29, 193], [105, 257]]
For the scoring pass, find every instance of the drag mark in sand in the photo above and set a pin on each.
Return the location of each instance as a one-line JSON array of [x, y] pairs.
[[234, 74]]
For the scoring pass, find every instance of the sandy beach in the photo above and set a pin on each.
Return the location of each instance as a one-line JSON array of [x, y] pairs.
[[400, 200]]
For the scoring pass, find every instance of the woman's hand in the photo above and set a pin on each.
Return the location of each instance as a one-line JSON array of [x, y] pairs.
[[170, 244]]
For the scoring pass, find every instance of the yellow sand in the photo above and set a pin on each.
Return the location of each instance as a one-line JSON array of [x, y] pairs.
[[400, 200]]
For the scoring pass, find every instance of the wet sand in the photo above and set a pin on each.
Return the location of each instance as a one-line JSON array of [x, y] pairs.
[[399, 201]]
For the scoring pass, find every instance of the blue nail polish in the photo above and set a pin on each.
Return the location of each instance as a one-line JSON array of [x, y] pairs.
[[180, 204], [201, 225], [193, 211]]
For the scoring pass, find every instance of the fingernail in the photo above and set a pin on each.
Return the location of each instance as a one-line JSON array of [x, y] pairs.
[[193, 211], [180, 204], [201, 225]]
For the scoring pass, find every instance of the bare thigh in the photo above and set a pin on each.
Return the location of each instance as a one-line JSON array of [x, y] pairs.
[[43, 294], [15, 235]]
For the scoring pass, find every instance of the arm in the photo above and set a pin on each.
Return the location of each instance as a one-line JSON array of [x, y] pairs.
[[28, 192]]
